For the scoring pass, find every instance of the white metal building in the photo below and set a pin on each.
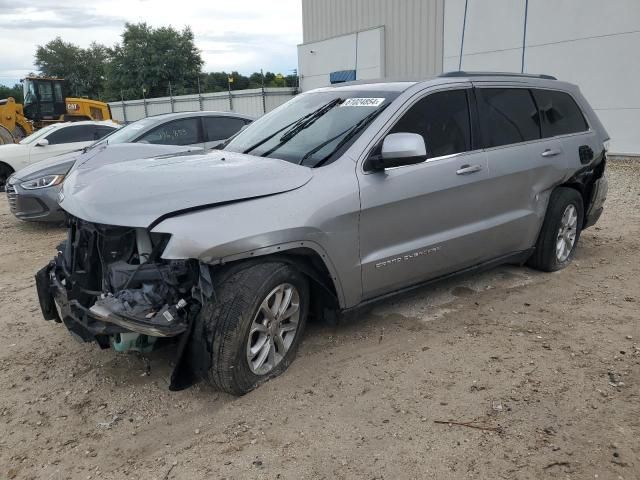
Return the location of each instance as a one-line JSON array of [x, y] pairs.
[[592, 43], [366, 39]]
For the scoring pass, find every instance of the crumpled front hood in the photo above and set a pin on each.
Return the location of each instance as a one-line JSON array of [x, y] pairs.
[[138, 192]]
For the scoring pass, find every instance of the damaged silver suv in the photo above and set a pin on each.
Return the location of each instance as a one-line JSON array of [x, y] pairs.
[[339, 198]]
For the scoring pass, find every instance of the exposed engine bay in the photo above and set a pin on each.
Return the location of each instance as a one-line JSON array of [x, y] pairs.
[[108, 284]]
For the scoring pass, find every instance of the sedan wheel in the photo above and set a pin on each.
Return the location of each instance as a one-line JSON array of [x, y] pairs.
[[560, 231], [5, 173], [566, 238], [273, 329], [254, 322]]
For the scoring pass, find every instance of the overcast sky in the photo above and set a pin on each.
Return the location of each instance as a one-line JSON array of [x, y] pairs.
[[244, 35]]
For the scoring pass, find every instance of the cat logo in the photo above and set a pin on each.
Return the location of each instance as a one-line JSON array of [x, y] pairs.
[[73, 106]]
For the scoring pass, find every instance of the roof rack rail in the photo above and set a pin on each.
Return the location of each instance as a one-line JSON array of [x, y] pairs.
[[462, 73]]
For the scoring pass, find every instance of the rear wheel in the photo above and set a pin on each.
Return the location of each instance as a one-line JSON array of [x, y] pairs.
[[560, 231], [255, 321]]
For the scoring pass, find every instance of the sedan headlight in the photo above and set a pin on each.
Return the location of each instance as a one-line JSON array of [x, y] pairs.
[[43, 182]]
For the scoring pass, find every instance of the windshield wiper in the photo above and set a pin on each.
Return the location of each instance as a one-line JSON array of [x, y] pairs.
[[94, 145], [349, 134], [294, 127]]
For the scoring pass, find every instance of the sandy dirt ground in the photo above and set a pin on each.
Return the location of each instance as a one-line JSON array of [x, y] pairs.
[[548, 365]]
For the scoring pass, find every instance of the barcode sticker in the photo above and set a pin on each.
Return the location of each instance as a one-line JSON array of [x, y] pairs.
[[362, 102]]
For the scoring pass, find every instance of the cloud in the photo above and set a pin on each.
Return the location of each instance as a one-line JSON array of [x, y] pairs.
[[55, 17], [243, 36]]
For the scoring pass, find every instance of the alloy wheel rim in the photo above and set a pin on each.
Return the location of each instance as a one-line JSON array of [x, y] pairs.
[[566, 237], [273, 329]]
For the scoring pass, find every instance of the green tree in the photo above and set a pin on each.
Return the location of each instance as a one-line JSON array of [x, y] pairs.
[[15, 92], [214, 82], [93, 65], [83, 69], [255, 80], [150, 58], [240, 82], [292, 80]]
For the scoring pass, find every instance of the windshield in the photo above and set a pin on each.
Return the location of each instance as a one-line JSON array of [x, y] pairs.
[[127, 133], [36, 135], [29, 92], [311, 128]]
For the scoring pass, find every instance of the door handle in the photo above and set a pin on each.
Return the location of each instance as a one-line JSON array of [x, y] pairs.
[[467, 169], [551, 152]]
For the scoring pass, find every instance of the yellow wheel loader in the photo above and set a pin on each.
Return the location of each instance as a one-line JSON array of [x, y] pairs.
[[45, 103]]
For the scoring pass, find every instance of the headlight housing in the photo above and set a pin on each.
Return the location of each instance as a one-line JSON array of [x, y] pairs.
[[42, 182]]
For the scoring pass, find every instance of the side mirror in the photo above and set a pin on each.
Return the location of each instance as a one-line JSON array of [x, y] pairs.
[[398, 149], [42, 143]]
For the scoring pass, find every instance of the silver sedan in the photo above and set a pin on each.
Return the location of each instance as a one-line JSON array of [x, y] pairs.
[[32, 192]]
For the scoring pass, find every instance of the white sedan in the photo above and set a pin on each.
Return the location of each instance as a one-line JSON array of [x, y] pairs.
[[49, 141]]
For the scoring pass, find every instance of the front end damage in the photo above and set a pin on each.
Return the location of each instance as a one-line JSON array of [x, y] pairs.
[[108, 284]]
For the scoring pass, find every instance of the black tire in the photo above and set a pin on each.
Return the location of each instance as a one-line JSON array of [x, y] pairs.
[[5, 173], [5, 136], [545, 257], [228, 319], [19, 133]]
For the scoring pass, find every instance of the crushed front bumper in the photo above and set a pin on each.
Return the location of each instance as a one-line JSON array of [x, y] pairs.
[[89, 324]]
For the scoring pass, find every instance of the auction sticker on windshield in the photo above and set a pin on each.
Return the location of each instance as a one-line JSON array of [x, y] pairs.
[[362, 102]]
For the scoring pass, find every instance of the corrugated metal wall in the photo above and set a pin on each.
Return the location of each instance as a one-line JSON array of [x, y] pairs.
[[588, 42], [413, 30], [248, 102]]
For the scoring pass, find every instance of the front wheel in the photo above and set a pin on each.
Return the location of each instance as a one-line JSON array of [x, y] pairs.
[[5, 173], [5, 136], [560, 231], [255, 322]]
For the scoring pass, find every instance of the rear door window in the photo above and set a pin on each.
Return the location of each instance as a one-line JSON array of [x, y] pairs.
[[559, 113], [507, 116], [221, 128], [72, 134], [185, 131], [442, 118]]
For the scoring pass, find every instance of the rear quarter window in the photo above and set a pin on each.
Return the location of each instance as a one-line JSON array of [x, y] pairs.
[[559, 113]]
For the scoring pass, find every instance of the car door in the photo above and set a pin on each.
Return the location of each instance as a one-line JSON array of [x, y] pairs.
[[422, 221], [219, 128], [182, 132], [523, 166], [62, 140]]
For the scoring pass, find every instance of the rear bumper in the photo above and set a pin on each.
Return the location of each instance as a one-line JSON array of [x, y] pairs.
[[82, 322], [598, 197]]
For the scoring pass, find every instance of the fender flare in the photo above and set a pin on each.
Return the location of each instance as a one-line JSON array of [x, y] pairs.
[[284, 249]]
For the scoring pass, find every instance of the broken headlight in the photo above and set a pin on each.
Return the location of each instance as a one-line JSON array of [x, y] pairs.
[[42, 182]]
